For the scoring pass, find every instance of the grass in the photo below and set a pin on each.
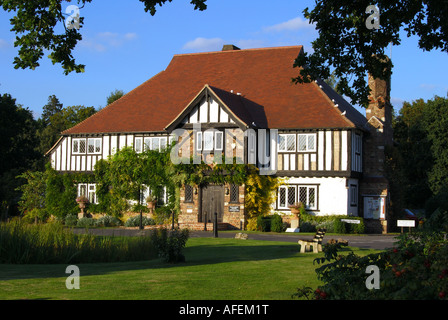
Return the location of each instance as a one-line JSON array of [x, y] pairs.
[[215, 269], [51, 243]]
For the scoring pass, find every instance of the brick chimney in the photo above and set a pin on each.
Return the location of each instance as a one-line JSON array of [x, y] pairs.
[[230, 47], [374, 185]]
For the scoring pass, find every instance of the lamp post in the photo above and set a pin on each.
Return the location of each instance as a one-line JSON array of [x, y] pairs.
[[215, 226]]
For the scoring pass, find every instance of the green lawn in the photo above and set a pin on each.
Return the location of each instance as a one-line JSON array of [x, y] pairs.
[[215, 268]]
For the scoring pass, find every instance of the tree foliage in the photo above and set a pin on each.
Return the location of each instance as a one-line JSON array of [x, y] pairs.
[[114, 96], [57, 118], [36, 24], [348, 46], [418, 164], [17, 148]]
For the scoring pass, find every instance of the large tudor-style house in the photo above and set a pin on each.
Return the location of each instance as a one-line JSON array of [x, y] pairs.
[[330, 155]]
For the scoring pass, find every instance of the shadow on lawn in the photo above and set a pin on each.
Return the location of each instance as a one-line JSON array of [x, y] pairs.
[[201, 252], [207, 251]]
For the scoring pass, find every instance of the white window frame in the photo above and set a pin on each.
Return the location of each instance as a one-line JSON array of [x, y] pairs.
[[285, 136], [199, 141], [287, 190], [78, 140], [307, 202], [138, 149], [208, 140], [90, 188], [307, 141], [220, 146], [151, 143], [296, 188], [94, 140]]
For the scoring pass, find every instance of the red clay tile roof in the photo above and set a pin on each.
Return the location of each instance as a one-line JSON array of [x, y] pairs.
[[262, 76]]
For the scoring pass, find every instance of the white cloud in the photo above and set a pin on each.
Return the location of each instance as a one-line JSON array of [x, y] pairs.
[[290, 25], [104, 40], [204, 44], [396, 102]]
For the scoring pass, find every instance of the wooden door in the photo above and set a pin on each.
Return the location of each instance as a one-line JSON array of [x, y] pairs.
[[212, 201]]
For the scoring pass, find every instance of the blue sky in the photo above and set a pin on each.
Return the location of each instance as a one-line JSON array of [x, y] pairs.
[[123, 46]]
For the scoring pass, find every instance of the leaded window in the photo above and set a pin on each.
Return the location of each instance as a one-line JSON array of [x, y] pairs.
[[234, 193], [188, 193], [286, 142], [307, 142], [94, 145], [79, 146]]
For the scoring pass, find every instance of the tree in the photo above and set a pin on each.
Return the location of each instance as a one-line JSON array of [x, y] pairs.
[[36, 23], [32, 203], [52, 107], [55, 119], [419, 161], [114, 96], [17, 147], [349, 43]]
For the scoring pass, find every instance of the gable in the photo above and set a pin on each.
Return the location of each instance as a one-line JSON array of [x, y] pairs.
[[207, 108]]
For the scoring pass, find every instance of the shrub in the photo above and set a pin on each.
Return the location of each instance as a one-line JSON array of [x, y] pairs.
[[277, 223], [71, 220], [252, 224], [414, 270], [86, 222], [107, 221], [339, 226], [163, 215], [263, 224], [170, 244], [329, 225], [307, 227], [135, 221]]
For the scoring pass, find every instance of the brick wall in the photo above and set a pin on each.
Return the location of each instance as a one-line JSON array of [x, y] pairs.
[[232, 218], [380, 135]]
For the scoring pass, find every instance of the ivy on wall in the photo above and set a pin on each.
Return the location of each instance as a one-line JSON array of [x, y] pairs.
[[123, 175]]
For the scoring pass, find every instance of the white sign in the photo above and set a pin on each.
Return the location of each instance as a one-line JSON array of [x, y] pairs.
[[351, 221], [405, 223]]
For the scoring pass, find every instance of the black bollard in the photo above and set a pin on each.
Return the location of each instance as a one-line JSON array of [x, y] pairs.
[[141, 220], [215, 226]]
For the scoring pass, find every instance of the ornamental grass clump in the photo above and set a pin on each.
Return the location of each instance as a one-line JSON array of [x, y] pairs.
[[50, 243]]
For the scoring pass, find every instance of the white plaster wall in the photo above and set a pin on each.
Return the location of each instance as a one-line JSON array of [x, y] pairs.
[[332, 194]]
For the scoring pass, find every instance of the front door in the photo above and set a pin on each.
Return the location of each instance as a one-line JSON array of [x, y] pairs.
[[212, 201]]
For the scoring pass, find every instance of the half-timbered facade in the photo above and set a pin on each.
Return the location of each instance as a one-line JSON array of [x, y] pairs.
[[236, 103]]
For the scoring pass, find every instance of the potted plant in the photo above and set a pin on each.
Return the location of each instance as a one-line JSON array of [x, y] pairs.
[[151, 202], [82, 202], [295, 208]]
